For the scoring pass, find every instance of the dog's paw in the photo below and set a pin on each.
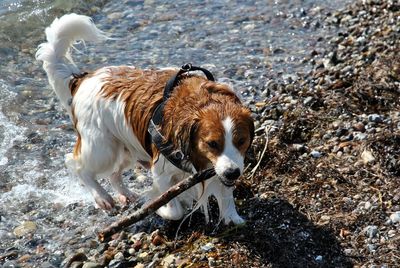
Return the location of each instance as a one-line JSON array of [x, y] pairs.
[[105, 202], [125, 199], [233, 218], [171, 211]]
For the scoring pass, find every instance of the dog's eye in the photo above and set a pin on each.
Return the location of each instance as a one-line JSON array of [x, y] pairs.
[[212, 144], [241, 141]]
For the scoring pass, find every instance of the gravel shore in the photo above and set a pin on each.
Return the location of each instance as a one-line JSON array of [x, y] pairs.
[[326, 190]]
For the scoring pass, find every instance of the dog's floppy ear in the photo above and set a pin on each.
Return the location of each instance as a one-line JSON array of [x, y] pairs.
[[248, 119], [186, 134], [250, 122]]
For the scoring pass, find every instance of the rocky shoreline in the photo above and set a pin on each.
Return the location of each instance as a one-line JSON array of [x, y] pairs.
[[326, 191]]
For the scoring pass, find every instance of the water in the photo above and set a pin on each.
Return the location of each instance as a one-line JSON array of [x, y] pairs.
[[243, 43]]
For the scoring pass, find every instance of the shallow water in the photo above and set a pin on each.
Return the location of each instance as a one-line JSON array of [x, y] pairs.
[[244, 43]]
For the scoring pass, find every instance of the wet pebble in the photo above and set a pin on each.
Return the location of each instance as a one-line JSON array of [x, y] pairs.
[[78, 257], [25, 228]]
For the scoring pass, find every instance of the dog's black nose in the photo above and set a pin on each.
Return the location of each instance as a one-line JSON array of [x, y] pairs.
[[232, 174]]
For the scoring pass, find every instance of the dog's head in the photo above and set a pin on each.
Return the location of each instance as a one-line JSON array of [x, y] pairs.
[[220, 134]]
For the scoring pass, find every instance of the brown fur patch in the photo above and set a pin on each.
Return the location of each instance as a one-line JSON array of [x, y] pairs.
[[141, 91]]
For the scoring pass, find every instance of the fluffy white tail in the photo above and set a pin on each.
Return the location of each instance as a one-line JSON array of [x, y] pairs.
[[55, 53]]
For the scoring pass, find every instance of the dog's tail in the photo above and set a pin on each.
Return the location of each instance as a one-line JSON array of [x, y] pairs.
[[55, 53]]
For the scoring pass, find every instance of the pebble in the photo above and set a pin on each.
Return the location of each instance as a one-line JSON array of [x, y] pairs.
[[116, 264], [348, 251], [392, 233], [367, 157], [324, 219], [376, 118], [371, 231], [395, 217], [360, 136], [131, 251], [308, 100], [91, 265], [144, 256], [78, 257], [119, 256], [76, 264], [315, 154], [115, 15], [367, 205], [10, 264], [371, 247], [207, 247], [211, 262], [169, 260], [25, 228]]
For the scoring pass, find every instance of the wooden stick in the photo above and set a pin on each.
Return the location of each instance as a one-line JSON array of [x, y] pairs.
[[151, 207]]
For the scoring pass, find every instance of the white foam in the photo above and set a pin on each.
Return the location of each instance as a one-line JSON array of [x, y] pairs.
[[68, 190]]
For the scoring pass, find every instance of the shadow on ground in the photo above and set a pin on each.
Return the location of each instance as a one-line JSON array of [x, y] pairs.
[[275, 235], [283, 237]]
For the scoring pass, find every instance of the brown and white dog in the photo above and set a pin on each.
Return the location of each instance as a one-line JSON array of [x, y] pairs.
[[111, 108]]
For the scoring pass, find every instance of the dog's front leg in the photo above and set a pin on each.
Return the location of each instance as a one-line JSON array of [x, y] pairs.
[[163, 172], [226, 203]]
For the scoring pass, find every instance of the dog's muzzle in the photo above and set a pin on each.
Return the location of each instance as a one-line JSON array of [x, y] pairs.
[[230, 176]]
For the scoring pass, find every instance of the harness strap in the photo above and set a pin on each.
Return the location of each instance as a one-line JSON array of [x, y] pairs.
[[166, 147], [174, 80]]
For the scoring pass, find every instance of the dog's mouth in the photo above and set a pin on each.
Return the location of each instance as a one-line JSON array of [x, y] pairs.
[[226, 182]]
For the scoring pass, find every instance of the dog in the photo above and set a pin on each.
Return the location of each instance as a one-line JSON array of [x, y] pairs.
[[111, 109]]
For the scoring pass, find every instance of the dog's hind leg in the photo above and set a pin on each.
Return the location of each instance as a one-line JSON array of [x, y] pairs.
[[95, 153], [88, 178], [124, 194]]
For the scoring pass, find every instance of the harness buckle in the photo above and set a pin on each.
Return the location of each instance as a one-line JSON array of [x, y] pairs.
[[186, 67]]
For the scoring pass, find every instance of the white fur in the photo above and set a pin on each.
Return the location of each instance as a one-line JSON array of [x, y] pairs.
[[108, 145], [230, 157], [55, 53]]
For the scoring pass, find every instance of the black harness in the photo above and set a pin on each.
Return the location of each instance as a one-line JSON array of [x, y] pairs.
[[166, 147]]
